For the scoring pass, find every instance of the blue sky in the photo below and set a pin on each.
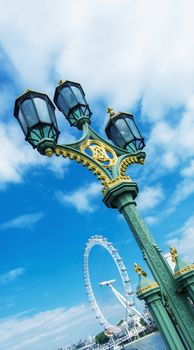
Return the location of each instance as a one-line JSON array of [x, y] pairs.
[[132, 56]]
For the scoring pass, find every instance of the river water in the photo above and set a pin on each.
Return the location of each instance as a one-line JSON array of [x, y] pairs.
[[150, 342]]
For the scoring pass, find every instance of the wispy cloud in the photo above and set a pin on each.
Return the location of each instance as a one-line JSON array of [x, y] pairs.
[[152, 220], [82, 198], [188, 171], [183, 239], [12, 275], [183, 190], [22, 221], [150, 197], [52, 329]]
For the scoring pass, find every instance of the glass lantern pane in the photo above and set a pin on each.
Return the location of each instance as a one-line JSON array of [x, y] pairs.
[[116, 136], [62, 105], [69, 97], [22, 122], [124, 130], [42, 110], [133, 128], [52, 115], [29, 112], [78, 94]]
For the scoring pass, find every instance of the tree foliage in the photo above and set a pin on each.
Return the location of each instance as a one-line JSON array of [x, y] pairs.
[[101, 338]]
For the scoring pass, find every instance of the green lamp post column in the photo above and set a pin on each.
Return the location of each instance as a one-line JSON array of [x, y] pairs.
[[150, 292], [184, 274], [35, 113]]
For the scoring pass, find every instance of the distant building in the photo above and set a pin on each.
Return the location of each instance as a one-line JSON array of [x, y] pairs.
[[169, 261]]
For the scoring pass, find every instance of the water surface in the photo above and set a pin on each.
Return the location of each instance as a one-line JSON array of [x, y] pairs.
[[151, 342]]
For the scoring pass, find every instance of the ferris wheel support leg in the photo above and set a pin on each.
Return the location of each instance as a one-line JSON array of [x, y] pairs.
[[121, 196], [118, 296]]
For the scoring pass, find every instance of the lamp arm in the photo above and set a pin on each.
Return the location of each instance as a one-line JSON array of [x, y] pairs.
[[105, 160]]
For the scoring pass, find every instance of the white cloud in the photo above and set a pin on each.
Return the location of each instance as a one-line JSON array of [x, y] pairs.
[[184, 189], [152, 220], [172, 141], [150, 197], [22, 221], [148, 63], [82, 198], [183, 240], [189, 170], [12, 275], [139, 64], [17, 157], [50, 329]]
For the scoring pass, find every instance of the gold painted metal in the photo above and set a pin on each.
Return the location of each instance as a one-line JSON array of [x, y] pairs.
[[49, 152], [110, 112], [129, 160], [146, 288], [61, 82], [115, 181], [139, 270], [174, 254], [185, 269], [79, 158], [99, 152]]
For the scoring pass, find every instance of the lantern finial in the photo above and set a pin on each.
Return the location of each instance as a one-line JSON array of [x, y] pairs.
[[110, 112]]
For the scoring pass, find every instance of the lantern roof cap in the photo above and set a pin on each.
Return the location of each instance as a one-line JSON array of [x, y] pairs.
[[63, 83], [115, 115]]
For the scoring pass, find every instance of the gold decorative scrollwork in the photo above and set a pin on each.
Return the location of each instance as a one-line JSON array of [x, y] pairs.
[[129, 160], [117, 180], [184, 270], [147, 288], [100, 152], [79, 158]]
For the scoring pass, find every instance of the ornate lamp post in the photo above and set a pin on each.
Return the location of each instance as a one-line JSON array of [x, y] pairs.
[[35, 113]]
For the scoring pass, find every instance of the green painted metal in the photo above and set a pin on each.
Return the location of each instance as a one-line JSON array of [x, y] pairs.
[[152, 296], [184, 276], [122, 197]]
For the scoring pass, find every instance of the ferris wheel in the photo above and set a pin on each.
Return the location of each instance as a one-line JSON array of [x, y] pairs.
[[127, 301]]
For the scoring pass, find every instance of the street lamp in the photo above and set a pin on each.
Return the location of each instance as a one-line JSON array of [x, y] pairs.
[[35, 113], [70, 100], [123, 132]]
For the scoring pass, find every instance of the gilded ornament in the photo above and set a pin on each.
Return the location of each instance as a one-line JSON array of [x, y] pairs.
[[79, 158], [110, 112], [174, 254], [139, 270], [146, 288], [117, 180], [129, 160], [184, 270], [100, 152]]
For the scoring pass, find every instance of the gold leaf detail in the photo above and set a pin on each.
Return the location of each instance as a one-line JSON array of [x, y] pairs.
[[174, 254], [185, 269], [100, 152], [139, 270], [147, 288], [129, 160], [85, 162], [115, 181]]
